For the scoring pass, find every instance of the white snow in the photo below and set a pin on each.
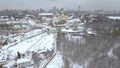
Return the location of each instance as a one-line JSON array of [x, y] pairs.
[[74, 20], [14, 39], [40, 42], [23, 60], [68, 30], [46, 43], [10, 64], [45, 14], [75, 66], [31, 22], [57, 62], [113, 17], [24, 45], [90, 31]]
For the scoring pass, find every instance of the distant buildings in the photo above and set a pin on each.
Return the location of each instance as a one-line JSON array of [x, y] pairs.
[[50, 15]]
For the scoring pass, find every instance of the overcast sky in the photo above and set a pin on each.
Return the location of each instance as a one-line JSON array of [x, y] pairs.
[[67, 4]]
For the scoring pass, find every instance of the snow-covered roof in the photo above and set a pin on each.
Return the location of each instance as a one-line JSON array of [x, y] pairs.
[[23, 60], [68, 30], [3, 16], [4, 19], [45, 14], [74, 20], [113, 17]]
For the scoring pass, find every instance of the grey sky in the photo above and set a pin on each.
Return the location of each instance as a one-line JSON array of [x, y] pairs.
[[67, 4]]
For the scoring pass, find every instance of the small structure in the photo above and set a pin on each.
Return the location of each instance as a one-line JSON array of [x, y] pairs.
[[24, 62], [40, 15]]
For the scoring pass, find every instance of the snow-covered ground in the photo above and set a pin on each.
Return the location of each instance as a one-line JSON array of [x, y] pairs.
[[17, 38], [36, 40], [57, 62], [90, 31], [23, 36], [39, 41], [21, 47], [114, 17], [46, 43], [24, 45]]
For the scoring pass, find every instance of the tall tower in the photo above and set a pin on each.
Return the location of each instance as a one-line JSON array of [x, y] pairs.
[[62, 13], [54, 11]]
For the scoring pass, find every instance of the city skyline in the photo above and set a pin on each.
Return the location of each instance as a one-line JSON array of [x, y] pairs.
[[67, 4]]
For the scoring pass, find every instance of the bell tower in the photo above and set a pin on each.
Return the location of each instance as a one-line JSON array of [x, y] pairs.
[[54, 11]]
